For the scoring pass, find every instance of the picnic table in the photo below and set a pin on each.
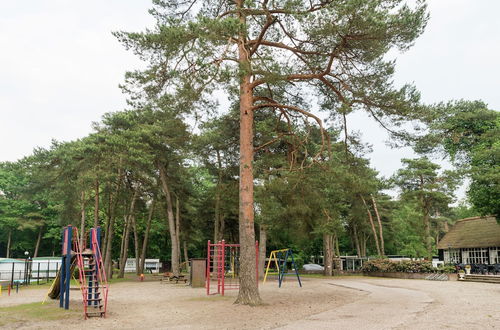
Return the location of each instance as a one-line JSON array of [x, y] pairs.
[[169, 277]]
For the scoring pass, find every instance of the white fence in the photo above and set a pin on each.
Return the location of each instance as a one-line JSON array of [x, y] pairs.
[[36, 269]]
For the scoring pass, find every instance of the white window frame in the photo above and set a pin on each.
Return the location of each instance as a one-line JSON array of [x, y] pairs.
[[452, 256], [475, 256], [494, 255]]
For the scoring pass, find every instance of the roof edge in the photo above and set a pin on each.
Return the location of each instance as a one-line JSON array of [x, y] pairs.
[[476, 218]]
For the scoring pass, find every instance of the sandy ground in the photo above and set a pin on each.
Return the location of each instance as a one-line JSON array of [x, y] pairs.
[[337, 303]]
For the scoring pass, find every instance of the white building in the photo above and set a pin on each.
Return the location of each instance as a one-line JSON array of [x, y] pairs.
[[150, 266], [43, 268]]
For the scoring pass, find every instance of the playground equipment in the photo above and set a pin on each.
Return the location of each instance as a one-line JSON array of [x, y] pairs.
[[280, 258], [92, 277], [223, 266]]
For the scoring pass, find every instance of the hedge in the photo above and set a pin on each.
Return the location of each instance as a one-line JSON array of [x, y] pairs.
[[405, 266]]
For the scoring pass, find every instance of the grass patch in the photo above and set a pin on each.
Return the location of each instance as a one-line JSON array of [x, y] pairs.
[[33, 312]]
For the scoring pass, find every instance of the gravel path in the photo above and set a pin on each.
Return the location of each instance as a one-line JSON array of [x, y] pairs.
[[337, 303], [383, 308]]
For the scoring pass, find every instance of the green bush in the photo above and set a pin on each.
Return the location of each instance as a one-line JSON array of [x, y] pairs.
[[447, 269], [414, 266], [405, 266], [379, 265], [299, 261]]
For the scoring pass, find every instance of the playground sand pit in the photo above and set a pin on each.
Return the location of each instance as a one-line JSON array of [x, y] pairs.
[[133, 305], [334, 303]]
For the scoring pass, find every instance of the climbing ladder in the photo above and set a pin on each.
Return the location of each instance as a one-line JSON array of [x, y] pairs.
[[93, 282]]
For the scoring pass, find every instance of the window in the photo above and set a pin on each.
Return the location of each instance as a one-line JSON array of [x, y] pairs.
[[475, 256], [495, 255], [452, 256]]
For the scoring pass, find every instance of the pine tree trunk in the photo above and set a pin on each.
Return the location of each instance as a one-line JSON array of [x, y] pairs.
[[428, 237], [136, 245], [38, 241], [372, 224], [124, 251], [217, 224], [356, 241], [82, 224], [426, 220], [122, 241], [178, 228], [328, 254], [130, 220], [249, 292], [262, 250], [104, 238], [381, 232], [9, 239], [217, 236], [171, 221], [108, 262], [363, 245], [146, 236], [186, 257], [96, 204], [337, 247]]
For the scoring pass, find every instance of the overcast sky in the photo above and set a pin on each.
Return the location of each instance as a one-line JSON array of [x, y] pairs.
[[60, 67]]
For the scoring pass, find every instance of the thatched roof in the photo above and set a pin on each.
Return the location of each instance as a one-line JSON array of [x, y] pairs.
[[472, 232]]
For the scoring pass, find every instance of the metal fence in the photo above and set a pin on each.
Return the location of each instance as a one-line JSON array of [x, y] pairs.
[[30, 271]]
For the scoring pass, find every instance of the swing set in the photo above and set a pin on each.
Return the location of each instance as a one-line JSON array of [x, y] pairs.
[[280, 258]]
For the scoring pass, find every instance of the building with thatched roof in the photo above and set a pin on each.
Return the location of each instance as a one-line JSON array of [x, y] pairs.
[[472, 241]]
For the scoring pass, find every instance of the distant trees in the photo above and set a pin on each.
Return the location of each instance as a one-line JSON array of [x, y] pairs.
[[422, 185], [468, 132]]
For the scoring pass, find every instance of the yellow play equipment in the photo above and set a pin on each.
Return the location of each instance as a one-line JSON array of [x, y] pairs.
[[280, 258]]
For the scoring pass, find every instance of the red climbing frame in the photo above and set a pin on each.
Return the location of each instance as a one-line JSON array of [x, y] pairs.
[[223, 266]]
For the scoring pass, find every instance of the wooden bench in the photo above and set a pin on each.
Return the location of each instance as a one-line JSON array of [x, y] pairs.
[[170, 278]]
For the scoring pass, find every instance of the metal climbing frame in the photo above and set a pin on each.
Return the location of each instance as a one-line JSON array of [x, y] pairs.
[[223, 267]]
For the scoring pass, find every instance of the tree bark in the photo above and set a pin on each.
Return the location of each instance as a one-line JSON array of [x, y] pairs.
[[381, 232], [363, 245], [171, 221], [104, 239], [356, 241], [337, 248], [124, 249], [96, 204], [262, 250], [136, 245], [108, 264], [146, 236], [38, 241], [428, 237], [328, 254], [122, 241], [130, 220], [9, 239], [82, 224], [186, 257], [178, 228], [426, 220], [218, 217], [248, 293], [370, 218]]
